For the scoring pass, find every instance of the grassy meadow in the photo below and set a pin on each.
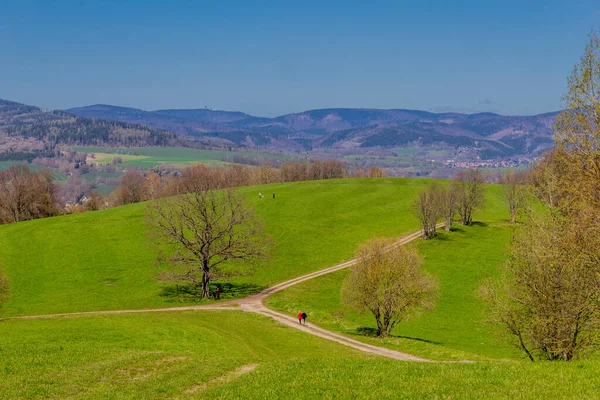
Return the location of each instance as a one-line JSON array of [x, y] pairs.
[[104, 261], [231, 354], [178, 157]]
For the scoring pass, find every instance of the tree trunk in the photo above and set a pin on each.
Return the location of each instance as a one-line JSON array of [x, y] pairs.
[[513, 214], [205, 280]]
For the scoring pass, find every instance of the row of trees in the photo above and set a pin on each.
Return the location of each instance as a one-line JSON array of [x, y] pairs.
[[547, 300], [25, 194], [136, 187], [438, 202]]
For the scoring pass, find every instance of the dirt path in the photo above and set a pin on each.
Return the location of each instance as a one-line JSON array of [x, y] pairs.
[[254, 303]]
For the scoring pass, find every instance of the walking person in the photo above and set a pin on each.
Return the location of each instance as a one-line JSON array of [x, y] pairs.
[[273, 194], [303, 315], [300, 318], [218, 293]]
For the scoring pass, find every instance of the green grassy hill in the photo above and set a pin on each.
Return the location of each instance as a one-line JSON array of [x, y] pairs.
[[104, 261]]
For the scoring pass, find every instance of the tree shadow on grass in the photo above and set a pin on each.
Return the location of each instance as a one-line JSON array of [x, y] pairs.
[[372, 332], [479, 223], [193, 293]]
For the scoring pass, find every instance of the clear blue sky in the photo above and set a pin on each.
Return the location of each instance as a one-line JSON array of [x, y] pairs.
[[274, 57]]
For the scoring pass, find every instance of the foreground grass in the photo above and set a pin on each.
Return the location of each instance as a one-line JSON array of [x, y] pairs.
[[159, 355], [104, 261], [389, 379], [200, 355]]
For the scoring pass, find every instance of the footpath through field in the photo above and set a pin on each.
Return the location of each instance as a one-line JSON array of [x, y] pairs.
[[254, 303]]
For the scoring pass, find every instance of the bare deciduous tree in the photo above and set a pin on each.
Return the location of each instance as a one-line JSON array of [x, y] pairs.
[[26, 195], [547, 299], [547, 178], [470, 192], [94, 202], [131, 190], [389, 284], [426, 208], [515, 193], [447, 205], [201, 231]]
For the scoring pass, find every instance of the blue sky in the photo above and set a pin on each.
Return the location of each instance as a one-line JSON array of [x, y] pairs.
[[274, 57]]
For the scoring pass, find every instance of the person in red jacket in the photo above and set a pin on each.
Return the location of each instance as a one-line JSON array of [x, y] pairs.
[[300, 318]]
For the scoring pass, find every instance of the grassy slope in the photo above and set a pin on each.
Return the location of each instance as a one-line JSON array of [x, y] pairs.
[[158, 355], [164, 355], [460, 260], [102, 260]]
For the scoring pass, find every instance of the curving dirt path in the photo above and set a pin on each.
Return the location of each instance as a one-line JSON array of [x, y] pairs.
[[254, 303]]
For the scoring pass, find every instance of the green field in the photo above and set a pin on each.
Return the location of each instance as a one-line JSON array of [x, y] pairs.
[[198, 355], [452, 331], [178, 157], [103, 261]]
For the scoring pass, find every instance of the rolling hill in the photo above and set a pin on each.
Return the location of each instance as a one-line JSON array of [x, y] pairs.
[[99, 260], [350, 128]]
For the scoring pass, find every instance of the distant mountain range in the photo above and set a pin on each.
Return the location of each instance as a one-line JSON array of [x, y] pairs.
[[349, 129], [337, 130]]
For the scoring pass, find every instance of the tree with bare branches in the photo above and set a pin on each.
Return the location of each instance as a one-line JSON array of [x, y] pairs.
[[426, 208], [131, 190], [94, 202], [515, 192], [447, 205], [205, 231], [389, 283], [26, 195], [470, 192]]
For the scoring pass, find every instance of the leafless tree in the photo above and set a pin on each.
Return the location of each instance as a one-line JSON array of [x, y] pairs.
[[389, 284], [26, 195], [152, 184], [515, 192], [547, 299], [447, 205], [470, 192], [426, 208], [94, 202], [203, 230], [131, 190]]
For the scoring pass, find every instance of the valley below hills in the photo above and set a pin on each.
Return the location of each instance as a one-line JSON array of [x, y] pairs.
[[405, 142]]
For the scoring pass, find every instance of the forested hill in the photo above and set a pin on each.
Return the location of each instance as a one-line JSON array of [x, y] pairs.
[[20, 122], [350, 129]]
